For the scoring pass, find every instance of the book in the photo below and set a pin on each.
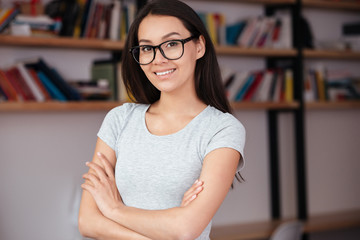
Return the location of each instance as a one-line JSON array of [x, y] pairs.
[[233, 32], [263, 93], [7, 18], [238, 82], [258, 77], [40, 85], [19, 83], [8, 89], [55, 93], [106, 70], [242, 91], [34, 88], [289, 85], [115, 20]]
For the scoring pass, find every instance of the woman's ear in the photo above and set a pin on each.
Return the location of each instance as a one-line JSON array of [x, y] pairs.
[[200, 47]]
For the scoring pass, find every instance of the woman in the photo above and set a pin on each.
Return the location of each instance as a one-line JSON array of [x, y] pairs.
[[179, 130]]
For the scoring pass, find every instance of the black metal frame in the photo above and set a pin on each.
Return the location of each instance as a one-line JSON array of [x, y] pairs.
[[299, 122]]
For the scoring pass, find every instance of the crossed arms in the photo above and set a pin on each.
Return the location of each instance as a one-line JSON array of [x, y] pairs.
[[103, 215]]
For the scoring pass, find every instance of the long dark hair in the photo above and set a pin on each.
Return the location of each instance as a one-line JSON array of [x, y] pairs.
[[208, 84]]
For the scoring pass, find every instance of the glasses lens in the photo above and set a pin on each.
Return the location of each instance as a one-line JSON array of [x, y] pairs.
[[172, 49], [143, 54]]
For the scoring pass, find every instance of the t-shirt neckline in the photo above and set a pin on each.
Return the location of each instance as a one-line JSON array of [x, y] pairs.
[[194, 120]]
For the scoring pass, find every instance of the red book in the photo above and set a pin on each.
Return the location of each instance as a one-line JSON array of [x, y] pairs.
[[254, 86], [19, 84], [7, 87]]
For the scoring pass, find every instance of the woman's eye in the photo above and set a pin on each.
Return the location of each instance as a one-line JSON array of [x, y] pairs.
[[145, 49], [172, 44]]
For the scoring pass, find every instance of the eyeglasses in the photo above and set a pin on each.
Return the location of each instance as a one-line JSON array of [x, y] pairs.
[[171, 49]]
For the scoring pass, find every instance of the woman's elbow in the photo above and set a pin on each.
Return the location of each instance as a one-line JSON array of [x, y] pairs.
[[188, 231], [84, 225]]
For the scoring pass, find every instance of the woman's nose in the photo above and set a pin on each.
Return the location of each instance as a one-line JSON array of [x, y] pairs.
[[159, 58]]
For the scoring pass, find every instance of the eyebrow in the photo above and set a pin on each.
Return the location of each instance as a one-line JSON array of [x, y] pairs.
[[164, 37]]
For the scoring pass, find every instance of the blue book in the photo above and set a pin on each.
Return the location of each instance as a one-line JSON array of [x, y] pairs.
[[50, 87], [233, 32], [241, 93]]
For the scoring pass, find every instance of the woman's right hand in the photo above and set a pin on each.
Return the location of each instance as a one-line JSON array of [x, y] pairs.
[[191, 194]]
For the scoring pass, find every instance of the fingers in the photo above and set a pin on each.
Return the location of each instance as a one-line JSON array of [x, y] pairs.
[[192, 193], [109, 170], [100, 173]]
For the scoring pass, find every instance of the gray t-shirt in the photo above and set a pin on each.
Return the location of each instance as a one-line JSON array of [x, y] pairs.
[[153, 172]]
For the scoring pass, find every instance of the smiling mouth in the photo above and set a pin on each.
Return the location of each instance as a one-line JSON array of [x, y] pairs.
[[164, 73]]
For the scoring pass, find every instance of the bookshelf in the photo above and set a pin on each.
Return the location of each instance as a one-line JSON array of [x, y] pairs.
[[263, 230]]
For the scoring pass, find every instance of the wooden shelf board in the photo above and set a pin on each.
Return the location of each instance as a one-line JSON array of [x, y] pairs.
[[333, 221], [57, 106], [354, 6], [263, 230], [107, 105], [264, 105], [60, 42], [261, 52], [268, 2], [333, 105], [309, 53]]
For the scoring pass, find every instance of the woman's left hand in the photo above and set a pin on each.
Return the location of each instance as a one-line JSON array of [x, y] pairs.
[[101, 185]]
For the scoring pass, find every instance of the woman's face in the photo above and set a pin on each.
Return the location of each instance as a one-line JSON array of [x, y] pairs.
[[169, 76]]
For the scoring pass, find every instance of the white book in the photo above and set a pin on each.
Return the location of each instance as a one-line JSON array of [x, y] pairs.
[[238, 82], [285, 38], [263, 92], [115, 21], [39, 96]]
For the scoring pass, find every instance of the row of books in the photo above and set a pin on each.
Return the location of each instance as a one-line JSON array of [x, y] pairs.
[[101, 19], [330, 85], [257, 32], [35, 80], [270, 85]]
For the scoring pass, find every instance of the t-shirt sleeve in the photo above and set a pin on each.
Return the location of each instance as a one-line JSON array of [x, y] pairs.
[[111, 126], [229, 134]]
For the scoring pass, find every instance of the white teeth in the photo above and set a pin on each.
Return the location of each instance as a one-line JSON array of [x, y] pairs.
[[163, 73]]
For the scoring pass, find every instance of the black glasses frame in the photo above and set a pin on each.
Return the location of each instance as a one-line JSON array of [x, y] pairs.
[[183, 41]]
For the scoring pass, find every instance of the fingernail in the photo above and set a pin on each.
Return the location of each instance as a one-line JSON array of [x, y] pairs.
[[196, 181], [87, 163], [99, 154], [199, 188], [193, 197]]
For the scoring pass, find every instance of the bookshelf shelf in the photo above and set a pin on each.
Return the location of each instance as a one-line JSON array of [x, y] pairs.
[[108, 45], [309, 53], [262, 52], [266, 2], [107, 105], [263, 230], [333, 105], [60, 42], [354, 6]]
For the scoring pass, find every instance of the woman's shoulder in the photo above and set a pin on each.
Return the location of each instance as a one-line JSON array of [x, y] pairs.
[[219, 118], [126, 109]]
